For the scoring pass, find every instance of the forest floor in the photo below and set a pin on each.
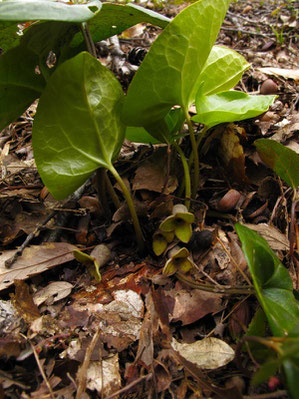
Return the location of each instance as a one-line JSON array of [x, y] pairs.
[[63, 334]]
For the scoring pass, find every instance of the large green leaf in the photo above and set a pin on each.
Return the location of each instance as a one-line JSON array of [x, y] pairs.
[[283, 160], [272, 282], [113, 19], [77, 127], [170, 72], [19, 86], [222, 71], [32, 10], [229, 106], [55, 36], [8, 34]]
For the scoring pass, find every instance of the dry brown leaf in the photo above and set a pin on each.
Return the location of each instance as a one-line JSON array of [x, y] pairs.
[[190, 306], [209, 353], [151, 175], [23, 302], [232, 153], [285, 73], [276, 240], [34, 260], [53, 292], [109, 369]]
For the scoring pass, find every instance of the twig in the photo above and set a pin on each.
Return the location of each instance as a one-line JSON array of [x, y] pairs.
[[75, 196], [131, 385], [219, 289], [41, 370], [83, 369], [247, 32]]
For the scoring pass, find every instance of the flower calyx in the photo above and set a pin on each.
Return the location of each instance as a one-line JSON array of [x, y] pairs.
[[179, 260], [180, 223]]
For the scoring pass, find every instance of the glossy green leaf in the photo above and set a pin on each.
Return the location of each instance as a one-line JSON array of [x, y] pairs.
[[8, 34], [222, 71], [43, 37], [229, 106], [172, 122], [272, 282], [170, 72], [33, 10], [267, 370], [19, 86], [113, 19], [77, 127], [291, 371], [283, 160]]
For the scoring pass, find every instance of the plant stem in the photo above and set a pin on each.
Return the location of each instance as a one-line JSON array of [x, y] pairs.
[[88, 39], [101, 189], [186, 174], [128, 198], [195, 155], [219, 289], [111, 191]]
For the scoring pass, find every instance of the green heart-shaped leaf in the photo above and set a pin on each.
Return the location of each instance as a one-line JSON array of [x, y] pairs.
[[29, 10], [113, 19], [77, 127], [272, 282], [283, 160], [19, 87], [229, 106], [222, 71], [170, 72]]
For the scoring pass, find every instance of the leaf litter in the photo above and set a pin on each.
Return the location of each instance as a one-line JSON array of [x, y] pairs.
[[152, 332]]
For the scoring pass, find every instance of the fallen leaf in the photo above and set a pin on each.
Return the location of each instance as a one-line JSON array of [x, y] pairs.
[[104, 376], [151, 175], [285, 73], [190, 306], [23, 302], [276, 240], [232, 153], [208, 353], [53, 292], [34, 260]]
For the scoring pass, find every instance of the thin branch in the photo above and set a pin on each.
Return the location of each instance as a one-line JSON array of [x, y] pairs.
[[219, 289], [83, 368]]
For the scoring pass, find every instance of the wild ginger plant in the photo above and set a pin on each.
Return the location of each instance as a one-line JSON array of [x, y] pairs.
[[83, 115]]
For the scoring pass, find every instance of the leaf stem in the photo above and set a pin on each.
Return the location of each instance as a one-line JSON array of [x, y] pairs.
[[219, 289], [88, 39], [195, 155], [128, 198], [186, 174]]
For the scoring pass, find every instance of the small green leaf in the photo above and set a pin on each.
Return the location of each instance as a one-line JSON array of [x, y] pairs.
[[272, 282], [77, 127], [19, 84], [113, 19], [222, 71], [283, 160], [229, 106], [267, 370], [138, 134], [170, 72], [29, 10]]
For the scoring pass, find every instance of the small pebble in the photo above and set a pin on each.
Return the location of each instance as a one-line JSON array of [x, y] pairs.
[[269, 87]]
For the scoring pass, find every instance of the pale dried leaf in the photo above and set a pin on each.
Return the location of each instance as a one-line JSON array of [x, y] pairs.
[[109, 369], [276, 240], [54, 291], [34, 260], [209, 353], [285, 73]]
